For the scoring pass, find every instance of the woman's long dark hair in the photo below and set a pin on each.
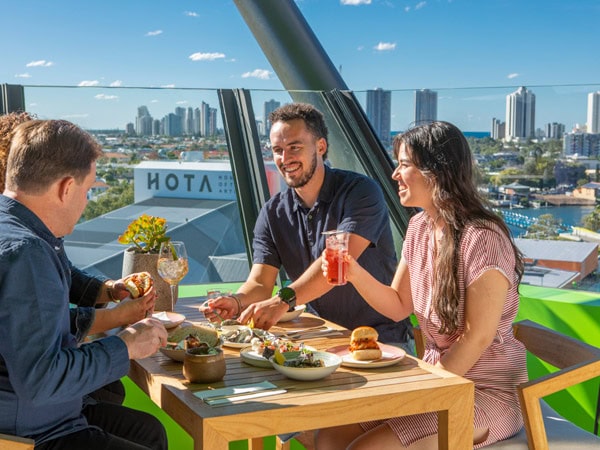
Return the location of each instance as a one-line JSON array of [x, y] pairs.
[[441, 152]]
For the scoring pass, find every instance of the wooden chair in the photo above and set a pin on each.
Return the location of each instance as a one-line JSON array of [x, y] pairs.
[[576, 362], [9, 442]]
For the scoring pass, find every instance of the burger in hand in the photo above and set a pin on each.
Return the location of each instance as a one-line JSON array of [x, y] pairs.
[[363, 344], [138, 284]]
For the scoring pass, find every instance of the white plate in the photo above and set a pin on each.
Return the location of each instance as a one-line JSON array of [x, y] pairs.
[[235, 344], [331, 360], [291, 315], [390, 355], [256, 359], [169, 319]]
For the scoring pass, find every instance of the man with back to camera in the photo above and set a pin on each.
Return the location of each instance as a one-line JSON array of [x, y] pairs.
[[289, 228], [44, 375]]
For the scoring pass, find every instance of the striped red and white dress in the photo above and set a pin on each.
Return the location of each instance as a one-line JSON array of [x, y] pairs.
[[502, 366]]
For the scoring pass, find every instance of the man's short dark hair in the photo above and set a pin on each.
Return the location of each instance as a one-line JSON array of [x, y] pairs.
[[311, 116]]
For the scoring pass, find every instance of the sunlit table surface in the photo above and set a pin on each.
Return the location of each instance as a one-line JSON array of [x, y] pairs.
[[349, 395]]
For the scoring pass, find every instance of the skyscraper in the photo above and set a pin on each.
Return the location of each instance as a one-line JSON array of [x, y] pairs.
[[498, 129], [270, 106], [425, 106], [593, 112], [143, 122], [12, 98], [520, 114], [379, 113]]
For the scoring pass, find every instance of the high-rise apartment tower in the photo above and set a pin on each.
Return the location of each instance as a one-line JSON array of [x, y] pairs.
[[425, 106], [12, 98], [520, 114], [270, 106], [379, 113], [593, 112]]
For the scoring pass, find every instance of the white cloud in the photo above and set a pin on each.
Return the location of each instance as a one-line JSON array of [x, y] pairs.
[[206, 56], [106, 97], [420, 5], [168, 86], [154, 101], [89, 83], [191, 14], [116, 83], [360, 48], [261, 74], [407, 9], [22, 75], [40, 63], [355, 2], [510, 76], [153, 33], [385, 46], [181, 102]]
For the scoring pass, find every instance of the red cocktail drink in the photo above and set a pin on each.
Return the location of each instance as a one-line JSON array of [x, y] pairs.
[[336, 248], [336, 273]]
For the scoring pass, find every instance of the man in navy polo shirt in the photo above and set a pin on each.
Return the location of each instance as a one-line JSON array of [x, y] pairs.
[[288, 234]]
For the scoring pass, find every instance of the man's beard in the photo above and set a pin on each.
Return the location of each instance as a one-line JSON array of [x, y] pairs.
[[305, 178]]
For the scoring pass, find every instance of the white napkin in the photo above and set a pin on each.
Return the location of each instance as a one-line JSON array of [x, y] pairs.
[[238, 393]]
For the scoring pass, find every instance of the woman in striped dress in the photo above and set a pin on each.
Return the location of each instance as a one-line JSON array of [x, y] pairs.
[[459, 273]]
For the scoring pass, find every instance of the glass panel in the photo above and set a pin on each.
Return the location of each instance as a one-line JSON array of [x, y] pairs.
[[550, 172]]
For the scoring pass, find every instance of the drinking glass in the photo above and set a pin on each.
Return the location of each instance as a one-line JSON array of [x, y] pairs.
[[172, 265], [336, 247]]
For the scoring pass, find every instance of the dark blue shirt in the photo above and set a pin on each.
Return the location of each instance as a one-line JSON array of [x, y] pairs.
[[44, 374], [289, 235]]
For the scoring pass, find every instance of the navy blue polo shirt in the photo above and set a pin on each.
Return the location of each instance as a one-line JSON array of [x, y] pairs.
[[288, 234]]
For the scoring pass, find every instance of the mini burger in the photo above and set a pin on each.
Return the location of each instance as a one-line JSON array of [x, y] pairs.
[[138, 284], [363, 344]]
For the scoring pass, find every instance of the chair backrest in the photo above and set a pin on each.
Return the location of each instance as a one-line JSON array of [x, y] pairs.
[[575, 360], [9, 442]]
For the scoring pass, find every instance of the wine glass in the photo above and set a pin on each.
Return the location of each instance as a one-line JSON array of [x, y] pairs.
[[172, 265]]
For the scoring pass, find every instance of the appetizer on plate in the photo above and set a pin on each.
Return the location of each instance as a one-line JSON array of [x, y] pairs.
[[363, 344]]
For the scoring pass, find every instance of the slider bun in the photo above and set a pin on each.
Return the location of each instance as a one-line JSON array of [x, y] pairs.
[[366, 355], [138, 283], [364, 333]]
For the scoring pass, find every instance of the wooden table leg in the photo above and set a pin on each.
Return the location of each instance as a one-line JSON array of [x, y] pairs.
[[255, 444], [455, 429]]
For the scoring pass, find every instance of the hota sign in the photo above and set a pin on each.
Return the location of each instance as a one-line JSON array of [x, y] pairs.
[[206, 180]]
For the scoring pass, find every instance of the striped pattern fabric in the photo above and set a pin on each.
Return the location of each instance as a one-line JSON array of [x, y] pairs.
[[502, 366]]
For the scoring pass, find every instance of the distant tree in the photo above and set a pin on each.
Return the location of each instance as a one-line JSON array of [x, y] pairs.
[[592, 220], [546, 227], [115, 197]]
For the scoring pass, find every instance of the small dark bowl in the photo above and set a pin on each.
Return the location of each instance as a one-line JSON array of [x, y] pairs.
[[199, 367]]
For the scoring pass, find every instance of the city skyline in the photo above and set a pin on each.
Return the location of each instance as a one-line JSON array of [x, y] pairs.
[[180, 53]]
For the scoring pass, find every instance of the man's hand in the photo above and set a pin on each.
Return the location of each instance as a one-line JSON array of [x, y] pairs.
[[220, 308], [144, 338], [264, 314], [131, 310]]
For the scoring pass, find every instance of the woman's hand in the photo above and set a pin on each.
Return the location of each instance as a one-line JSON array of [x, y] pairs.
[[349, 262]]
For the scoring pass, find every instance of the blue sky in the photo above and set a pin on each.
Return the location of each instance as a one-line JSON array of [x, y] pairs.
[[399, 45]]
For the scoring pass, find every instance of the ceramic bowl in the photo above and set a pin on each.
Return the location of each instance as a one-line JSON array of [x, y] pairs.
[[291, 315], [331, 361], [199, 367]]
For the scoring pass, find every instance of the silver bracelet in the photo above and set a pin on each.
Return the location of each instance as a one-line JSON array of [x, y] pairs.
[[239, 304]]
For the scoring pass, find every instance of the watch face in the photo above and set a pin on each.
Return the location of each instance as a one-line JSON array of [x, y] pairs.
[[287, 295]]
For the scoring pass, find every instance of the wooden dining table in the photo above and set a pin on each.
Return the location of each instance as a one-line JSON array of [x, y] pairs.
[[348, 395]]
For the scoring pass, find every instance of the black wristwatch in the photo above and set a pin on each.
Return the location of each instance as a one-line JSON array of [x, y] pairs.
[[287, 295]]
